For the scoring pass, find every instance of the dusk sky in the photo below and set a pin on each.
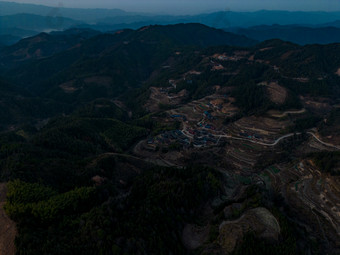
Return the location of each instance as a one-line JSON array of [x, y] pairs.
[[195, 6]]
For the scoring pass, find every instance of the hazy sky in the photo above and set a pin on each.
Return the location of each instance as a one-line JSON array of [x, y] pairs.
[[195, 6]]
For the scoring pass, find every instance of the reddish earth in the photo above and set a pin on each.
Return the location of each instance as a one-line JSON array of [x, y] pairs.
[[68, 87], [277, 93], [7, 227], [100, 80], [265, 49], [338, 72], [287, 55]]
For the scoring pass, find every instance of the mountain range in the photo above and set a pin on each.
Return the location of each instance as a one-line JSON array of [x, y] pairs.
[[19, 21], [169, 139], [220, 19], [78, 65]]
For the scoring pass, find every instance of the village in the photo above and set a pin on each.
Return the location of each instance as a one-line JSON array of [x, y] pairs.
[[214, 125], [202, 124]]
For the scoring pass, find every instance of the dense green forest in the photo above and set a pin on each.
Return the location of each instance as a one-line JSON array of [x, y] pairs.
[[97, 220]]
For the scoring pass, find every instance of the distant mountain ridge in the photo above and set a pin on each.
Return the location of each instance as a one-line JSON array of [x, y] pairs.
[[294, 33], [217, 19], [11, 8], [332, 24], [36, 23], [17, 26], [24, 20]]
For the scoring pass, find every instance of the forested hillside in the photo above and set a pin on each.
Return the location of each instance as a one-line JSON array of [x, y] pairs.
[[161, 141]]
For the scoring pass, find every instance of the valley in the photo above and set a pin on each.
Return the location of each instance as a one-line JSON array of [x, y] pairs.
[[153, 141]]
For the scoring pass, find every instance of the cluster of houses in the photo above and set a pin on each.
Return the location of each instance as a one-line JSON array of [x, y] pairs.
[[166, 90], [163, 90], [203, 138], [237, 56], [200, 138], [217, 67], [167, 138], [208, 115], [178, 116], [173, 83], [250, 136], [229, 58], [215, 105], [206, 126]]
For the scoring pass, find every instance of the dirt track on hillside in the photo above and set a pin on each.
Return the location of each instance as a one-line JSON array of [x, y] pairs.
[[7, 227]]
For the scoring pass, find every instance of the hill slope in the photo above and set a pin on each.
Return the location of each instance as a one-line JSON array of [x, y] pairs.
[[124, 59], [92, 124], [43, 45]]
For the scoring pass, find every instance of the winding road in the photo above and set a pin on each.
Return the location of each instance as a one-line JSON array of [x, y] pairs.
[[261, 143], [322, 142], [267, 144], [289, 112]]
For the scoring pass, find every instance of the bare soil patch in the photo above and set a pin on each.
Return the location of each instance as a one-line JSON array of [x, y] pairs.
[[67, 87], [100, 80], [287, 55], [338, 72], [7, 227], [277, 93]]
